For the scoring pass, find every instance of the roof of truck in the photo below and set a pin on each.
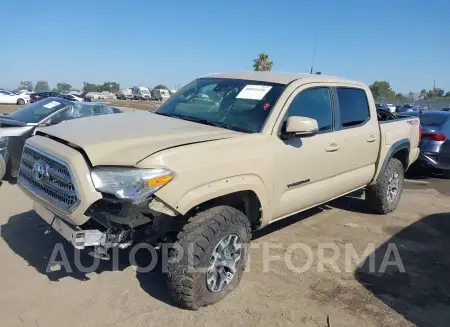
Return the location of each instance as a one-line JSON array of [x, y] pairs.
[[281, 78]]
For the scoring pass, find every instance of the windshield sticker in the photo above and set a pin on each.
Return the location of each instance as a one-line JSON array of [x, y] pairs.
[[253, 92], [52, 104]]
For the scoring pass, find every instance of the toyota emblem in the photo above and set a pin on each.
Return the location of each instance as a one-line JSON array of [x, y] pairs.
[[40, 171]]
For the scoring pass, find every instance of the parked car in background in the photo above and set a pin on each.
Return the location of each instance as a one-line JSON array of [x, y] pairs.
[[160, 94], [85, 98], [15, 128], [435, 143], [409, 114], [124, 94], [73, 97], [141, 93], [43, 95], [7, 97], [386, 106], [391, 107], [24, 92]]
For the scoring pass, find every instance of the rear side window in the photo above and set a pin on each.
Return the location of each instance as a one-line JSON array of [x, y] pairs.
[[353, 106], [314, 103]]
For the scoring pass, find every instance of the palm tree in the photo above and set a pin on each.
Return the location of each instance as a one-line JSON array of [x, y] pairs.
[[262, 63], [411, 96]]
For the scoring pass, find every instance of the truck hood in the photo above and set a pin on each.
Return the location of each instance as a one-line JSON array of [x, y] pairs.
[[128, 138]]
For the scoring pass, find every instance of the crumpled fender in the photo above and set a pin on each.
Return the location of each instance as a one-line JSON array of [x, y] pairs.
[[221, 187]]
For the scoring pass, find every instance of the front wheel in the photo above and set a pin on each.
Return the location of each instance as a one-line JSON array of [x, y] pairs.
[[21, 102], [214, 246], [384, 196]]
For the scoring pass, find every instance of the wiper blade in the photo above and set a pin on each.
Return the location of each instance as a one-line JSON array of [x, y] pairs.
[[205, 122], [223, 125]]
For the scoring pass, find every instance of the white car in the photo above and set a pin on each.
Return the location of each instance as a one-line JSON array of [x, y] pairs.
[[73, 97], [12, 98], [391, 107]]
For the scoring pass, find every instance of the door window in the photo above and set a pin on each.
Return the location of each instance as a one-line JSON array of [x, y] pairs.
[[353, 106], [314, 103]]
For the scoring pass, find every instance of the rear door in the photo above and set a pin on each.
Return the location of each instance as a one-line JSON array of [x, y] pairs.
[[358, 136]]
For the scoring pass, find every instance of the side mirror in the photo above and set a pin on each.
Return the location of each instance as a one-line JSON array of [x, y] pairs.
[[297, 126]]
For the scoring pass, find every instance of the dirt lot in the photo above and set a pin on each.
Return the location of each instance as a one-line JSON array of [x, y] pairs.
[[420, 228]]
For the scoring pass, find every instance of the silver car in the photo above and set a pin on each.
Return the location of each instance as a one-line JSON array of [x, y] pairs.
[[17, 127], [435, 143]]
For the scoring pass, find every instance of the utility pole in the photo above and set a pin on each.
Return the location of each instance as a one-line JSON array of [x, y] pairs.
[[314, 56]]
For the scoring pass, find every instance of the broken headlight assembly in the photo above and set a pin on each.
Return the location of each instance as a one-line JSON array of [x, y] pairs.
[[131, 184]]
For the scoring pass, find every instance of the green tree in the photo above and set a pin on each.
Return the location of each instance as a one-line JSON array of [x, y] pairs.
[[411, 96], [63, 87], [447, 95], [110, 87], [262, 63], [161, 86], [26, 85], [89, 87], [423, 94], [42, 86], [400, 96], [438, 93], [382, 90]]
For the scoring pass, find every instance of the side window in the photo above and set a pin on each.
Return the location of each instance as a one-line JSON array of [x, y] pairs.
[[353, 106], [314, 103]]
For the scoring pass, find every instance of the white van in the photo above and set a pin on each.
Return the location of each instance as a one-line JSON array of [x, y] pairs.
[[141, 93], [161, 94]]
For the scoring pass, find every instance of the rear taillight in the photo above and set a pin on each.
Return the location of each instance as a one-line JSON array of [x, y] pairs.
[[420, 131], [434, 137]]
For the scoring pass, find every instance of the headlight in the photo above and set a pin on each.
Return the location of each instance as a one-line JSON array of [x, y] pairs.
[[132, 183]]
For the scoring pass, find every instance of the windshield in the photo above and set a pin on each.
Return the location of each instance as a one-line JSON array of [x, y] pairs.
[[35, 112], [433, 120], [235, 104], [144, 91]]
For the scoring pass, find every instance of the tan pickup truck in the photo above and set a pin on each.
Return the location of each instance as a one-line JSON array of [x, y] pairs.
[[226, 155]]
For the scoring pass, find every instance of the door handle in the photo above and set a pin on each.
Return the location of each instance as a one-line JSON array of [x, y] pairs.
[[371, 138], [332, 148]]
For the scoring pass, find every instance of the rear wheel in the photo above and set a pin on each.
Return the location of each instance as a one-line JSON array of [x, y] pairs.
[[384, 196], [214, 244], [21, 102]]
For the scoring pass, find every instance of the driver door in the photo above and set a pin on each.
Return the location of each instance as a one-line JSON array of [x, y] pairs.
[[305, 169]]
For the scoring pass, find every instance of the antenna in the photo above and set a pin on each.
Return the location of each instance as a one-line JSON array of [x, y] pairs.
[[314, 56]]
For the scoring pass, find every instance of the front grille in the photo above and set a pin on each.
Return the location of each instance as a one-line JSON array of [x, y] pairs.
[[58, 188]]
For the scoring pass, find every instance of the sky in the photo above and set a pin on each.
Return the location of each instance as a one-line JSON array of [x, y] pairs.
[[145, 42]]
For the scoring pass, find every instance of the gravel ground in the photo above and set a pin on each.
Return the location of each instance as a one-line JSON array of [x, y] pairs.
[[420, 228]]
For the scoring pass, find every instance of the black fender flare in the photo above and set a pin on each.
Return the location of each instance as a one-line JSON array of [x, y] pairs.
[[396, 147]]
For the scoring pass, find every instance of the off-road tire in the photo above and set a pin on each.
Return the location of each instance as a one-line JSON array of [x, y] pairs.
[[376, 195], [198, 239], [21, 102]]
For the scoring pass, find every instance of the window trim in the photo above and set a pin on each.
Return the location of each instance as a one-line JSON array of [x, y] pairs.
[[295, 94], [338, 108]]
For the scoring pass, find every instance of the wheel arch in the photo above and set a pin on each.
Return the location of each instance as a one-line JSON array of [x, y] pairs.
[[399, 150], [246, 193]]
